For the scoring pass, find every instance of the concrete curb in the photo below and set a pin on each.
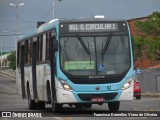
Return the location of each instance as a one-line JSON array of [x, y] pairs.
[[151, 94], [8, 76]]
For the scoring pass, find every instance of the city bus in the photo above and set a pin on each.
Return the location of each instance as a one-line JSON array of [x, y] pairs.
[[78, 62]]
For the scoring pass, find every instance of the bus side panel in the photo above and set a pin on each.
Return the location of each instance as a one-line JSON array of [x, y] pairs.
[[43, 75], [40, 82], [28, 78]]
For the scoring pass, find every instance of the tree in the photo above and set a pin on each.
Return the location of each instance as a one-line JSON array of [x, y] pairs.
[[12, 59], [149, 41]]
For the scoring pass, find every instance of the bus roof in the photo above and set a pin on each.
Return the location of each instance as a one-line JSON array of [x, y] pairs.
[[53, 23], [41, 29], [91, 20]]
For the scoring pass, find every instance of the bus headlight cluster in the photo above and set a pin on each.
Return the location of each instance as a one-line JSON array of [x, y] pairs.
[[127, 84], [65, 85]]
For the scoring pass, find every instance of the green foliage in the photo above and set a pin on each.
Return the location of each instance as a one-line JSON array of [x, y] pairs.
[[12, 59], [149, 41], [138, 44]]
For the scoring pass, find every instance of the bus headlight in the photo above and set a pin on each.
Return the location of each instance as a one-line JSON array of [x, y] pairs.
[[65, 85], [127, 84]]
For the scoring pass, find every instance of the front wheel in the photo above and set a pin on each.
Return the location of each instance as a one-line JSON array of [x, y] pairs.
[[79, 106], [56, 107], [87, 105], [114, 106]]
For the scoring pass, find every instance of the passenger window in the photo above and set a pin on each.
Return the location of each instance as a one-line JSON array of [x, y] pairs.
[[47, 46]]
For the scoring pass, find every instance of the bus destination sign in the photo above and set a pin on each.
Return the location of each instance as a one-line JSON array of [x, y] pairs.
[[93, 27]]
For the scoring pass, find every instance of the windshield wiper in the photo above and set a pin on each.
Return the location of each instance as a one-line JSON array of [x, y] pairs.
[[83, 44], [105, 47], [65, 52]]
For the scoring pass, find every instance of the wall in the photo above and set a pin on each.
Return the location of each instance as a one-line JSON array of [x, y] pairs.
[[148, 80]]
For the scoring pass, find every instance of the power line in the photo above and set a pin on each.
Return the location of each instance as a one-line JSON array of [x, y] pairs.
[[2, 20], [13, 31], [26, 21], [46, 13], [8, 34], [7, 47], [12, 21]]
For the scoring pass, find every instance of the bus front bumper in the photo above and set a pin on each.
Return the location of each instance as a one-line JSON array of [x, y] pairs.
[[64, 96]]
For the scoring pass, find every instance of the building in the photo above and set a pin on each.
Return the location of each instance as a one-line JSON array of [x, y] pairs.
[[142, 62], [3, 60]]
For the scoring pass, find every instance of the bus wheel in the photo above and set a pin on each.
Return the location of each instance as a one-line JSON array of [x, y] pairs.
[[41, 105], [79, 106], [113, 106], [87, 105], [138, 97], [31, 103], [56, 107]]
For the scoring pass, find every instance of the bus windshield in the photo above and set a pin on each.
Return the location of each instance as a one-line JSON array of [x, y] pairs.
[[100, 55]]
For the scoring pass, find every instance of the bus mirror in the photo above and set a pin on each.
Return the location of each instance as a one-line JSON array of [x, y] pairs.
[[55, 45]]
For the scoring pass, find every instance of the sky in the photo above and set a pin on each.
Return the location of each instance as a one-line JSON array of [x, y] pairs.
[[42, 10]]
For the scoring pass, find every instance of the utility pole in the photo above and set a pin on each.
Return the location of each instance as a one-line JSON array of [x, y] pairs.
[[17, 20], [54, 8], [17, 32]]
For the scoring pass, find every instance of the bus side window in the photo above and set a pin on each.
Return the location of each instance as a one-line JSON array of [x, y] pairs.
[[29, 52], [43, 47], [47, 46], [37, 51], [26, 51], [40, 47]]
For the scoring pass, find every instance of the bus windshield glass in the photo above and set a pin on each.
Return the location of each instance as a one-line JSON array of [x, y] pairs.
[[90, 55]]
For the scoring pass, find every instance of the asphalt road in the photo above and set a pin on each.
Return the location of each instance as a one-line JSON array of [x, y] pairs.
[[11, 101]]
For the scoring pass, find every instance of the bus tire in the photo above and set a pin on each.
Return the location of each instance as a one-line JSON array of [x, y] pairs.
[[114, 106], [79, 106], [56, 107], [41, 105], [87, 105], [31, 103]]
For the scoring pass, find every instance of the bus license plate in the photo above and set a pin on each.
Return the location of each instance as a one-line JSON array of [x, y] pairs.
[[98, 99]]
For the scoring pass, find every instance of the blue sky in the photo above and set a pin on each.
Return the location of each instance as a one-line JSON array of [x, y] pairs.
[[42, 10]]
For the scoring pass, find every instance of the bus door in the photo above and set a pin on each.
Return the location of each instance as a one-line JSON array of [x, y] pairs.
[[53, 49], [34, 58], [22, 70]]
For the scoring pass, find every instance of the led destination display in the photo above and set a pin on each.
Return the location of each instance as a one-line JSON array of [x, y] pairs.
[[92, 27]]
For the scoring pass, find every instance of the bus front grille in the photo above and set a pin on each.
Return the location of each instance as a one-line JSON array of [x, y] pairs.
[[106, 96]]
